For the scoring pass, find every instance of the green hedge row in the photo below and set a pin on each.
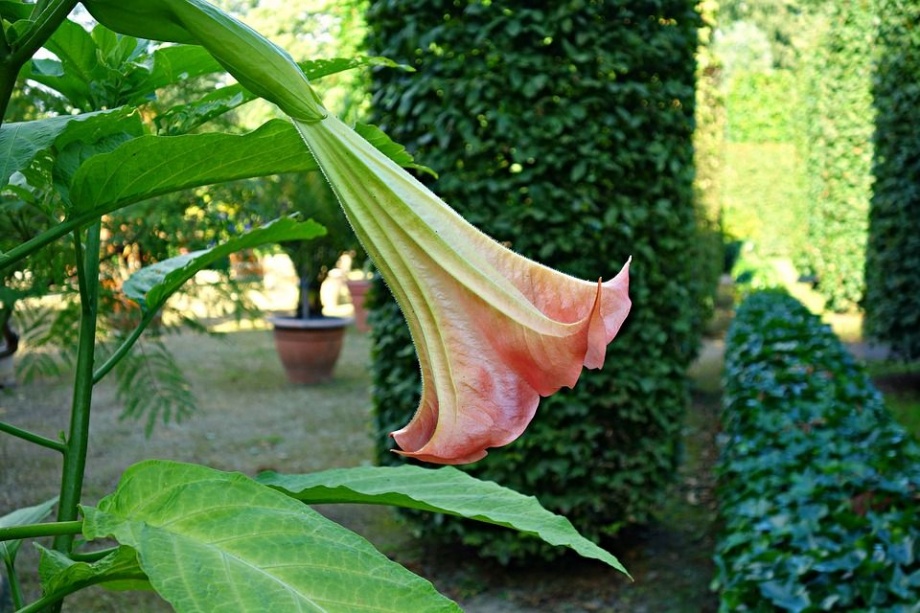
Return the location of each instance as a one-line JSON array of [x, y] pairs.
[[837, 141], [564, 128], [892, 302], [819, 489], [760, 108]]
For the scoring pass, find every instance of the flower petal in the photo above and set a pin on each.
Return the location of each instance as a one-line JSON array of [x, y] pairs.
[[493, 330]]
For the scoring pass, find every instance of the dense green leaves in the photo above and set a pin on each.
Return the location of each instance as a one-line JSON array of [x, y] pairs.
[[445, 490], [760, 108], [21, 142], [563, 129], [118, 570], [150, 166], [837, 149], [892, 301], [96, 69], [817, 484], [211, 541]]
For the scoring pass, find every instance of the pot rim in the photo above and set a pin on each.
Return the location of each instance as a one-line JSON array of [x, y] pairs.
[[320, 323]]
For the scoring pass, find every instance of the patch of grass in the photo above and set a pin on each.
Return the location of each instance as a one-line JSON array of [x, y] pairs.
[[906, 409], [900, 384]]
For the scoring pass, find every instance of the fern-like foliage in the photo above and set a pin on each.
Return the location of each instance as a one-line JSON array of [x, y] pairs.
[[152, 386]]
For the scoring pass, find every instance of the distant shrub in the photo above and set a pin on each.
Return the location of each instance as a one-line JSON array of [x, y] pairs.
[[818, 486], [761, 107], [765, 202], [892, 301], [564, 128]]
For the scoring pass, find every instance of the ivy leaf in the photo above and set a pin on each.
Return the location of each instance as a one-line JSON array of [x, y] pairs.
[[442, 490], [216, 541], [153, 285]]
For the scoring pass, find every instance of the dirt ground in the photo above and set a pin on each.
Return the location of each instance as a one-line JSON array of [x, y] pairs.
[[250, 418]]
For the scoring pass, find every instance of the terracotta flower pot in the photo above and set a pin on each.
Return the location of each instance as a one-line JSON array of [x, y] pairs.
[[309, 348], [358, 289]]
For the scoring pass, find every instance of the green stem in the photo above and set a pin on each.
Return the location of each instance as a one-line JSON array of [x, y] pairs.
[[61, 528], [13, 578], [32, 437], [8, 74], [78, 439], [45, 25], [24, 250], [124, 347], [48, 19]]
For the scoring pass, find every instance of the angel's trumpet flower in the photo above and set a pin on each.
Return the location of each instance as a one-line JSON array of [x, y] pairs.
[[494, 331]]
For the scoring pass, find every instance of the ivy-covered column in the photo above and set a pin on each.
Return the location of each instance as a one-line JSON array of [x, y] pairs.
[[892, 300], [837, 148], [564, 129]]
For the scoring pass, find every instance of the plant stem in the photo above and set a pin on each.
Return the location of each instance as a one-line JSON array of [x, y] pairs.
[[78, 439], [32, 437], [50, 16], [43, 603], [7, 83], [124, 347], [47, 22], [13, 578], [14, 533]]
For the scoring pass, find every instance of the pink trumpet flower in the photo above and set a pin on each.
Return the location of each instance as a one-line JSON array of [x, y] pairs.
[[494, 331]]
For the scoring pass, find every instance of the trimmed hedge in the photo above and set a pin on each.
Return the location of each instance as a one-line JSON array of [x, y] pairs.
[[892, 302], [837, 140], [819, 488], [565, 129], [759, 107]]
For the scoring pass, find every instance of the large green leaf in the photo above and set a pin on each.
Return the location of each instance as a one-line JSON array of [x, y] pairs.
[[74, 70], [215, 541], [22, 517], [174, 63], [155, 165], [443, 490], [152, 285], [117, 570], [20, 142], [390, 148]]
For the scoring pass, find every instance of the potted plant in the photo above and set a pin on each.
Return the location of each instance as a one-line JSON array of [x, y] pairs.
[[359, 283], [309, 342]]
